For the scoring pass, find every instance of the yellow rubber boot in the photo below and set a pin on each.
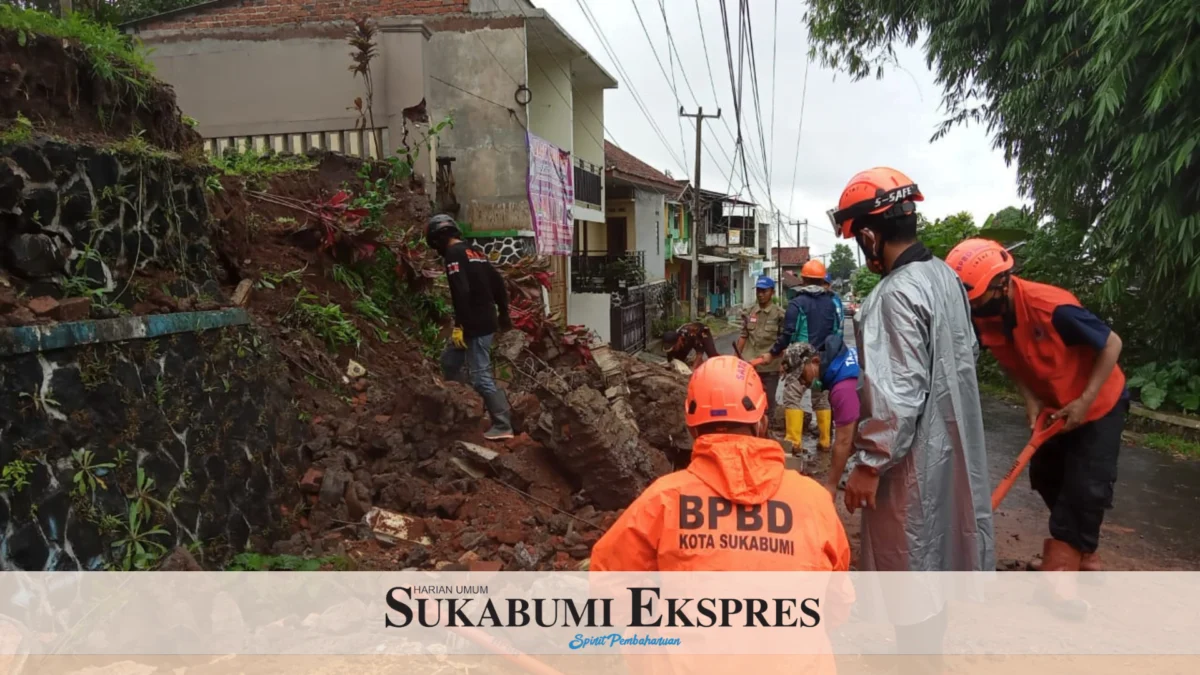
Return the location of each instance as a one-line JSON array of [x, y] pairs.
[[824, 423], [793, 420]]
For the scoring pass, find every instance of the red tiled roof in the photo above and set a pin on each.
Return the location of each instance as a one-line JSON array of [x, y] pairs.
[[791, 255], [626, 166]]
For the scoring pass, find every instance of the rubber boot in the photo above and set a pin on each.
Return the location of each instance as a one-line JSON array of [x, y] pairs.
[[794, 428], [1061, 595], [824, 423], [1088, 562], [501, 414]]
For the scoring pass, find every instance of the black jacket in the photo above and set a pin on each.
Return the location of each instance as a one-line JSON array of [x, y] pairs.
[[477, 291]]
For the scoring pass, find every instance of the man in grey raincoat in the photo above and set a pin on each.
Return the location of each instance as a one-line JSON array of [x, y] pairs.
[[921, 472]]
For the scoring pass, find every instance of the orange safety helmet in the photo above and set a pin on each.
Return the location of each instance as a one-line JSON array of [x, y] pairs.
[[977, 262], [881, 190], [725, 389], [813, 269]]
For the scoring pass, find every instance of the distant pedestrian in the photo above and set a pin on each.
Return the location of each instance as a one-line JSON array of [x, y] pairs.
[[811, 317], [760, 330]]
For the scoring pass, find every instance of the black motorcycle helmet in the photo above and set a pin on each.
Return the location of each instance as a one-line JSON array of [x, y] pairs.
[[440, 229]]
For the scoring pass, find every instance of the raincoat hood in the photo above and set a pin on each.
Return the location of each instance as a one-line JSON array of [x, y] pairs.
[[743, 469], [813, 290]]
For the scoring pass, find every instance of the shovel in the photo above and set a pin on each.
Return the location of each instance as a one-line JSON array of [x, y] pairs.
[[1041, 434]]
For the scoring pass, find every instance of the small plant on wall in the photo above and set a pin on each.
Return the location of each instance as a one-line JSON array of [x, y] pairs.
[[362, 41]]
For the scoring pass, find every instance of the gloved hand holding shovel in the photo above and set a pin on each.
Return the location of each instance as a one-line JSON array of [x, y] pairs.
[[1041, 433]]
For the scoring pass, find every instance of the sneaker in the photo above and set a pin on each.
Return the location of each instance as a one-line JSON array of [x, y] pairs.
[[497, 434]]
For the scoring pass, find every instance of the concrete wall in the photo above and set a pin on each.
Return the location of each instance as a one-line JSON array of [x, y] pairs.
[[280, 81], [588, 103], [597, 236], [650, 234], [592, 310], [550, 116], [488, 144]]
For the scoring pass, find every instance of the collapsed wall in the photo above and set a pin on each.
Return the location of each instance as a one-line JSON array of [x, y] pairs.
[[136, 415]]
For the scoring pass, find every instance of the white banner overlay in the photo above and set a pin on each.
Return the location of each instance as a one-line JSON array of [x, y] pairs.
[[411, 613]]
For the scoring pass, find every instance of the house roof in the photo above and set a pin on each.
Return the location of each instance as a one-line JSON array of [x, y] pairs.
[[624, 166], [791, 255]]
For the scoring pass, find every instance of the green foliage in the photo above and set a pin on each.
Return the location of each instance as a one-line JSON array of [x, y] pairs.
[[142, 497], [19, 131], [841, 262], [863, 281], [1176, 383], [89, 474], [945, 233], [326, 321], [259, 562], [16, 475], [113, 56], [139, 551], [1097, 102], [273, 280], [1172, 444], [253, 164]]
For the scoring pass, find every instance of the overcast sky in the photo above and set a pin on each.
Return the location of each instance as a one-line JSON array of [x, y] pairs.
[[848, 126]]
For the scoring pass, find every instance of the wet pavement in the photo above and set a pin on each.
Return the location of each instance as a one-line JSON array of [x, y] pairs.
[[1155, 520]]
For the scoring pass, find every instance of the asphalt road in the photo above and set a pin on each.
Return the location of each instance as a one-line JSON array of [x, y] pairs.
[[1153, 523]]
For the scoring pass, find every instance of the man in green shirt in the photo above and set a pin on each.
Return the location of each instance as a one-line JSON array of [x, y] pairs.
[[760, 329]]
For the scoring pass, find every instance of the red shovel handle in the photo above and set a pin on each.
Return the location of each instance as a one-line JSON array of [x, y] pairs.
[[1042, 432]]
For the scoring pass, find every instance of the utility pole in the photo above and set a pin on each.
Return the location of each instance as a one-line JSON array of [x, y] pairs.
[[778, 244], [700, 117]]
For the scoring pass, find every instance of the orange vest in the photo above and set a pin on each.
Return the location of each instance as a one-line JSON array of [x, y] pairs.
[[735, 508], [1037, 356]]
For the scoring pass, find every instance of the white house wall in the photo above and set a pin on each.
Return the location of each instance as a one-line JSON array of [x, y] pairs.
[[650, 232], [593, 310]]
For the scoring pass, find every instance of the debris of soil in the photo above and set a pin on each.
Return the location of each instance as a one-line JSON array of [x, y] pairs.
[[53, 84]]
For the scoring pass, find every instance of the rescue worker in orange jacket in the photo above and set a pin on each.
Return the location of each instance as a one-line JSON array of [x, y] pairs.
[[736, 507], [1064, 358]]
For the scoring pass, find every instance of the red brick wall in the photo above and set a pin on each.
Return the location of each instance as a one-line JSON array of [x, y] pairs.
[[251, 13]]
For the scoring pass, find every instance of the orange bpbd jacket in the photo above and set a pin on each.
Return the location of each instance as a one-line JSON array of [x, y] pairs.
[[1037, 356], [735, 508]]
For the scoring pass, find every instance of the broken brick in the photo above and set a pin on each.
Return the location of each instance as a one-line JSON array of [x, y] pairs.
[[43, 306], [311, 482], [74, 309], [486, 566]]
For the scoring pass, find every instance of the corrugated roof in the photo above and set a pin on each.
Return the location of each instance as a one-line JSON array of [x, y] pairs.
[[625, 166], [792, 255]]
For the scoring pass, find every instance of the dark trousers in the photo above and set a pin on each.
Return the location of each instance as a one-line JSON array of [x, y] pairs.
[[1074, 473], [770, 382]]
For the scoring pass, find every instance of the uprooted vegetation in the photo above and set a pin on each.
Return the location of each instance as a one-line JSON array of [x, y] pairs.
[[386, 467], [334, 282]]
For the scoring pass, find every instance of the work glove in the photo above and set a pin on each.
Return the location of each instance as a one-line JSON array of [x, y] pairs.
[[456, 338]]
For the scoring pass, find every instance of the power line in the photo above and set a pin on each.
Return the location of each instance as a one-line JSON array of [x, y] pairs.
[[799, 130], [591, 19], [511, 111], [774, 91], [755, 91], [566, 72]]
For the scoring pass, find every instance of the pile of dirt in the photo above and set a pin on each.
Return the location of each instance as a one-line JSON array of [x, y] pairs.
[[55, 84], [395, 442]]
